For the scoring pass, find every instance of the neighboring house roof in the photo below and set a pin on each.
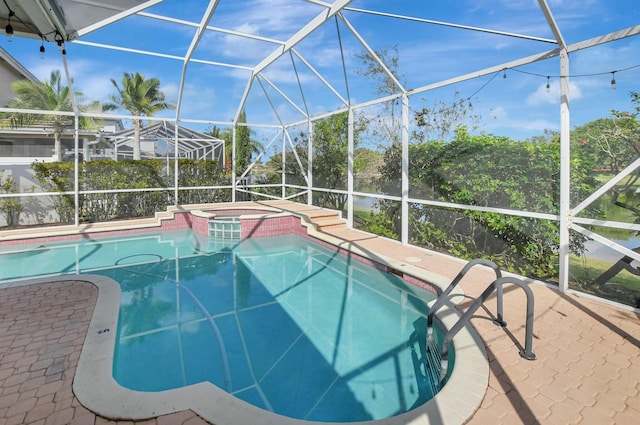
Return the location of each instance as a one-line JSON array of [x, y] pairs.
[[17, 66], [11, 70]]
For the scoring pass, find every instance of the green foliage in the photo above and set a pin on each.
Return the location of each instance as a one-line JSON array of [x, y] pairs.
[[611, 144], [608, 143], [104, 175], [194, 173], [378, 224], [330, 160], [57, 177], [487, 171], [246, 147], [138, 95], [10, 207]]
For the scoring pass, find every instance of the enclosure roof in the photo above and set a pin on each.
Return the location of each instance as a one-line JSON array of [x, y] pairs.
[[63, 20], [284, 61]]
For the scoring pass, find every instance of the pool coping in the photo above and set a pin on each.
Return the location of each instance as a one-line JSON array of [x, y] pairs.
[[97, 390]]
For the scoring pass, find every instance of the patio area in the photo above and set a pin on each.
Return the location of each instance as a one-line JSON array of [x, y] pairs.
[[586, 371]]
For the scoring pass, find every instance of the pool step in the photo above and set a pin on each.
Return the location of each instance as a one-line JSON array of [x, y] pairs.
[[328, 220]]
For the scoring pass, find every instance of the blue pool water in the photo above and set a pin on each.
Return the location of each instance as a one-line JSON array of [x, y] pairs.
[[284, 324]]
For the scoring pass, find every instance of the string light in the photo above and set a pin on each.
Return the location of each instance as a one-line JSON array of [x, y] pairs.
[[42, 49], [548, 85], [9, 28], [613, 80], [548, 77], [593, 74], [59, 39]]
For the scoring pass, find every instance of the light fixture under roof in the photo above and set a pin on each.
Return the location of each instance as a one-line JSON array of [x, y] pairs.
[[9, 27], [71, 18]]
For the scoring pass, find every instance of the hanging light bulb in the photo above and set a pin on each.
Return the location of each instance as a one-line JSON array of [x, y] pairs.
[[548, 85], [9, 29], [613, 80], [59, 39], [504, 73], [42, 49]]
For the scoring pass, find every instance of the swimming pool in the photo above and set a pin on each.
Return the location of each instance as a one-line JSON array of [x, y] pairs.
[[170, 258], [279, 322]]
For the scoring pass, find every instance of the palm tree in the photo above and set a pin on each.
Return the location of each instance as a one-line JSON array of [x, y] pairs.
[[48, 95], [139, 97]]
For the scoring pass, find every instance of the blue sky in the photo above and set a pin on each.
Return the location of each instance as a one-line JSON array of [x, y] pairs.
[[517, 106]]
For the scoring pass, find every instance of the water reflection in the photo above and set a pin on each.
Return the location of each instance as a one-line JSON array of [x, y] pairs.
[[291, 328]]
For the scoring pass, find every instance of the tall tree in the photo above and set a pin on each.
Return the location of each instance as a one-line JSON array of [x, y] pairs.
[[386, 123], [330, 154], [223, 134], [613, 144], [141, 97], [48, 95], [246, 147]]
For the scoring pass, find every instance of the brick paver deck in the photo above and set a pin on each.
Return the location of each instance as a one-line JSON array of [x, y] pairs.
[[42, 329], [587, 369]]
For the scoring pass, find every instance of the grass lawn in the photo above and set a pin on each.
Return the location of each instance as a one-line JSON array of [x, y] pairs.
[[623, 288]]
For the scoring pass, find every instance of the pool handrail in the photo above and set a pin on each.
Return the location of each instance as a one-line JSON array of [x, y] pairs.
[[526, 352], [444, 296]]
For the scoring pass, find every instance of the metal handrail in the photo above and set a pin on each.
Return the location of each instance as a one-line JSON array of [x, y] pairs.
[[443, 297], [526, 353], [496, 285]]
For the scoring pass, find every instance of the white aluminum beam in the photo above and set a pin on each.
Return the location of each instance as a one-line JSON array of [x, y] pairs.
[[565, 174], [284, 96], [350, 168], [127, 12], [606, 223], [606, 38], [552, 23], [607, 186], [321, 78], [405, 181], [211, 28], [295, 154], [373, 54], [160, 55], [449, 24], [309, 28], [206, 17], [604, 241]]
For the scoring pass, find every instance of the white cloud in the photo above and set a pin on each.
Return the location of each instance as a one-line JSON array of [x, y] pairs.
[[551, 96], [501, 122], [498, 113], [275, 18]]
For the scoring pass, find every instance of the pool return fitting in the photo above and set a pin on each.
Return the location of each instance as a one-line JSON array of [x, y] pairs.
[[438, 359]]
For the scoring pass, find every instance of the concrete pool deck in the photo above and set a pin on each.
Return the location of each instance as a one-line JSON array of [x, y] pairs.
[[587, 368]]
